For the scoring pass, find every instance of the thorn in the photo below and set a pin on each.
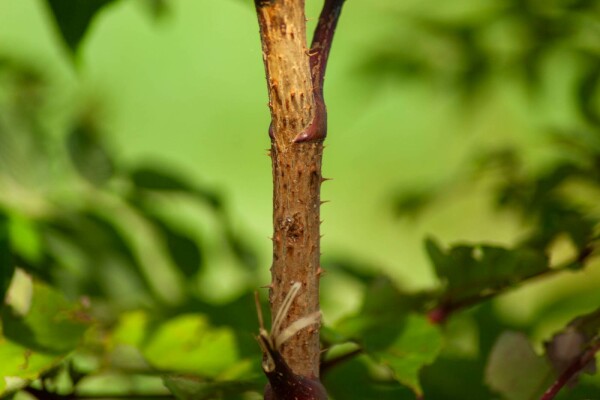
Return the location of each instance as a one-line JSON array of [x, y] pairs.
[[320, 272], [269, 286], [325, 179], [324, 201], [320, 222]]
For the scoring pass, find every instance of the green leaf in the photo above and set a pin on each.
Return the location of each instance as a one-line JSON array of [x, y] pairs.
[[358, 379], [73, 18], [52, 325], [89, 154], [157, 8], [189, 344], [239, 313], [151, 178], [183, 249], [241, 249], [25, 238], [391, 333], [131, 328], [37, 335], [413, 203], [471, 271], [7, 268], [587, 90], [98, 245], [569, 345], [406, 347], [192, 388], [21, 362], [360, 271], [464, 381], [515, 370], [383, 305], [385, 300]]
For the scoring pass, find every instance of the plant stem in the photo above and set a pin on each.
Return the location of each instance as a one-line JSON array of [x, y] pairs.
[[298, 127], [576, 366], [296, 175]]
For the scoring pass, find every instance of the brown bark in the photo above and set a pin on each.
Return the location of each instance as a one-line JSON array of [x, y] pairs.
[[298, 127], [296, 175], [297, 179]]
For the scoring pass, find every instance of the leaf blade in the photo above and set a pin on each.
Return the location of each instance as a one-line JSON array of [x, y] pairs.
[[73, 18]]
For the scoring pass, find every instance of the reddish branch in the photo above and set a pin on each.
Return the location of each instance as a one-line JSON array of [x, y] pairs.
[[447, 306], [319, 54], [572, 370]]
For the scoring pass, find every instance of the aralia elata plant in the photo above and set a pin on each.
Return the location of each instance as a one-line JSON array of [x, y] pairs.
[[295, 75], [469, 273]]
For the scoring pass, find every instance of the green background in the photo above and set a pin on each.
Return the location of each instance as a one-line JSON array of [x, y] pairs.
[[187, 90]]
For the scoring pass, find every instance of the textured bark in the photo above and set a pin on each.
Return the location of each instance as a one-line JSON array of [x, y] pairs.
[[296, 175], [297, 180], [295, 77]]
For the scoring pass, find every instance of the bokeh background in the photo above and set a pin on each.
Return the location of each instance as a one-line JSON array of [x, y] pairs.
[[133, 169]]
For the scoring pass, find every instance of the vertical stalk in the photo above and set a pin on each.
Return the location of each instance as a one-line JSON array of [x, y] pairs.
[[298, 127], [296, 175]]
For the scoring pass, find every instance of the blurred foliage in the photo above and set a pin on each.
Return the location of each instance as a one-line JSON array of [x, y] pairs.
[[557, 205], [93, 263], [515, 370], [469, 50], [74, 18], [102, 286], [402, 341]]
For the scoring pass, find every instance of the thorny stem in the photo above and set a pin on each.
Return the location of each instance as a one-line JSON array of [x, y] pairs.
[[295, 77], [271, 343], [580, 363]]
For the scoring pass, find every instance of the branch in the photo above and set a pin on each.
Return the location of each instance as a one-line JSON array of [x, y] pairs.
[[322, 40], [442, 311], [319, 54], [296, 178], [444, 308], [572, 370]]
